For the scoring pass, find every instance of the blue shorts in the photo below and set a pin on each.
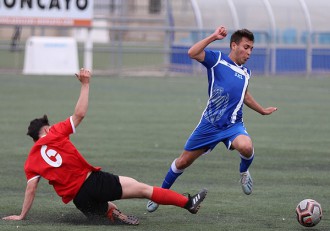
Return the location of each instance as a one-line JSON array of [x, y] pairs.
[[207, 136]]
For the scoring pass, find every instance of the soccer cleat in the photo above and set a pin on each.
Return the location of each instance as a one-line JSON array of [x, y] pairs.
[[195, 201], [117, 217], [152, 206], [247, 182]]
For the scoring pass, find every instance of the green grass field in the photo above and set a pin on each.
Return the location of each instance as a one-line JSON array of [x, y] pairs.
[[137, 126]]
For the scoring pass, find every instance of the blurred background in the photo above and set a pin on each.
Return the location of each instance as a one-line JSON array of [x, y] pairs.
[[151, 37]]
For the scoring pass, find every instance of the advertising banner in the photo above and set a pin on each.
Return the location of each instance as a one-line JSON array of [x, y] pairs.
[[47, 12]]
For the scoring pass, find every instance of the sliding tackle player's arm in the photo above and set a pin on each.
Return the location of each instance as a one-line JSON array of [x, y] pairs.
[[30, 193], [81, 108]]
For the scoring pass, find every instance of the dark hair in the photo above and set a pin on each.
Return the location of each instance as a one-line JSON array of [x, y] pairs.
[[36, 125], [237, 36]]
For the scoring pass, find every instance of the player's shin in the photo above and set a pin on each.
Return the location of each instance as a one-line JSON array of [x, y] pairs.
[[171, 176], [245, 163], [168, 197]]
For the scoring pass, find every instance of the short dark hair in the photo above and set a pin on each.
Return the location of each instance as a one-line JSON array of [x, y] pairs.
[[36, 125], [237, 36]]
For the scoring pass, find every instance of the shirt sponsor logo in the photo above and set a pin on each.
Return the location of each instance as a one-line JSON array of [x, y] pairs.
[[238, 75]]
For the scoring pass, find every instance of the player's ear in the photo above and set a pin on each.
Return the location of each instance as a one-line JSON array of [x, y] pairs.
[[233, 45]]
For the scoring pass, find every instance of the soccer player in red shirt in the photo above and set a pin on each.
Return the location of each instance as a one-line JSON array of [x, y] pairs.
[[56, 159]]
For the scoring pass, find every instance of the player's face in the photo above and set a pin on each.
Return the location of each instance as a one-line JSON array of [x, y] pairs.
[[242, 51]]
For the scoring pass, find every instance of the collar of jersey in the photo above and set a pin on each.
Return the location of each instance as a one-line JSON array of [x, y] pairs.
[[226, 57]]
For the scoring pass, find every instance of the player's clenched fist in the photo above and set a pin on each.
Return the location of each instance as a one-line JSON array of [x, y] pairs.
[[220, 32], [84, 75]]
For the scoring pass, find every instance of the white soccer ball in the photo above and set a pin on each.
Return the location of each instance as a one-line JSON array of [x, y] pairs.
[[309, 212]]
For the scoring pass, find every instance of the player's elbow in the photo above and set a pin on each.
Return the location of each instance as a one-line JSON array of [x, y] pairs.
[[192, 54], [80, 112], [80, 116]]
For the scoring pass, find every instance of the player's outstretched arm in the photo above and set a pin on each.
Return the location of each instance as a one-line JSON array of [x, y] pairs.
[[30, 192], [197, 50], [254, 105], [81, 108]]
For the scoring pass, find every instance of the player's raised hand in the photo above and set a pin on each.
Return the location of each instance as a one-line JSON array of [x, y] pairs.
[[84, 75], [220, 33]]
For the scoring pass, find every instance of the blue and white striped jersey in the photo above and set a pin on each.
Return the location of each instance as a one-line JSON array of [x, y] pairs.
[[227, 86]]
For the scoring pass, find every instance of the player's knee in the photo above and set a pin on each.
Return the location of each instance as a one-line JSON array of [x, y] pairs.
[[144, 190], [246, 151], [182, 163]]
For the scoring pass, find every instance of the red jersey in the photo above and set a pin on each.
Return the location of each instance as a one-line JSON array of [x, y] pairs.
[[56, 159]]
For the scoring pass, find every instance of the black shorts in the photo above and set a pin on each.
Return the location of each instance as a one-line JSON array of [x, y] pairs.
[[93, 196]]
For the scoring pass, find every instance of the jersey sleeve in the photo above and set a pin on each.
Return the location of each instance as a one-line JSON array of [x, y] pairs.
[[211, 58], [29, 178], [65, 127], [30, 174]]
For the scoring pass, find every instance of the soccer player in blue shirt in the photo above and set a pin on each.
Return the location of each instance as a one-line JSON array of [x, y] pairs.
[[222, 119]]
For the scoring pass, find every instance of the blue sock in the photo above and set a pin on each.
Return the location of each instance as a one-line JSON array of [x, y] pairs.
[[245, 163], [172, 174]]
